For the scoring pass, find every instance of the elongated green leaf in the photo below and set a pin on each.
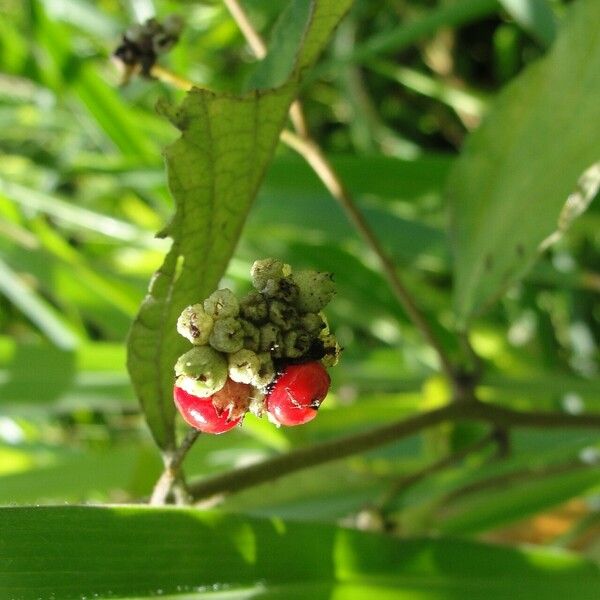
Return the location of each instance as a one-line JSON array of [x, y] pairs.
[[77, 476], [74, 215], [99, 98], [517, 171], [36, 308], [214, 170], [508, 503], [451, 14], [142, 552]]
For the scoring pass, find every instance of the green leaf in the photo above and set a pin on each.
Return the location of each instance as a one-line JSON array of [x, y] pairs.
[[63, 68], [79, 476], [214, 171], [506, 503], [125, 552], [285, 40], [451, 14], [517, 170], [535, 16], [92, 377]]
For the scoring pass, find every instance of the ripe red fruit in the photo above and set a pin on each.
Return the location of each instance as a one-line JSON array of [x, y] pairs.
[[218, 413], [298, 393]]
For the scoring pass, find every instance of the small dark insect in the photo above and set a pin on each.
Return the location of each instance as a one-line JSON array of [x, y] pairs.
[[142, 44]]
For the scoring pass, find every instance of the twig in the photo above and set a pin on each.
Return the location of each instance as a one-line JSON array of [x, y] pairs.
[[170, 78], [318, 454], [314, 156], [241, 18], [172, 471]]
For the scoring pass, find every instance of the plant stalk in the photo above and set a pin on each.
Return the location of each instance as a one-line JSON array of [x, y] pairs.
[[238, 480]]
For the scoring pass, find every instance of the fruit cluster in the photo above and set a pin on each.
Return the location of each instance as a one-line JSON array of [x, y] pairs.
[[266, 352]]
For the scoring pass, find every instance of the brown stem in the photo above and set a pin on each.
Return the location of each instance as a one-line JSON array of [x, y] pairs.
[[318, 454], [172, 471], [252, 37]]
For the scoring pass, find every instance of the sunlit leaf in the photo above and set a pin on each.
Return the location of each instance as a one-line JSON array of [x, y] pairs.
[[144, 552]]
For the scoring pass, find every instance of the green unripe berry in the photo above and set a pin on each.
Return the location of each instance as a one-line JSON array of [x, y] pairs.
[[244, 366], [269, 268], [332, 350], [222, 304], [201, 371], [251, 339], [266, 371], [283, 289], [270, 340], [315, 290], [283, 315], [313, 323], [195, 325], [296, 343], [227, 335], [254, 308]]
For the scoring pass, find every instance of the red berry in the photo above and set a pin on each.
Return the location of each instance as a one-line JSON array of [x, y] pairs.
[[298, 393], [218, 413]]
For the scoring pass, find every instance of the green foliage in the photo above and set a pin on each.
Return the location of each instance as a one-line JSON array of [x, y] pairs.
[[142, 552], [516, 172], [398, 89]]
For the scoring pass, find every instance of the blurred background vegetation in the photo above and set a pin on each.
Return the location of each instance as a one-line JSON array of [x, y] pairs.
[[83, 191]]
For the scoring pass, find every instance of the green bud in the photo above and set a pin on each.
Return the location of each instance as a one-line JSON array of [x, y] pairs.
[[266, 371], [283, 315], [163, 42], [244, 366], [227, 335], [296, 343], [135, 33], [315, 290], [257, 403], [254, 307], [251, 339], [222, 304], [283, 289], [270, 340], [263, 270], [201, 371], [332, 351], [313, 323], [195, 325]]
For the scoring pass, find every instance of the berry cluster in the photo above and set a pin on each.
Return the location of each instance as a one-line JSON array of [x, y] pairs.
[[143, 43], [266, 352]]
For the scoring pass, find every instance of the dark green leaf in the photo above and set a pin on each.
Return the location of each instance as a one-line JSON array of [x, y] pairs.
[[124, 552], [511, 183]]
